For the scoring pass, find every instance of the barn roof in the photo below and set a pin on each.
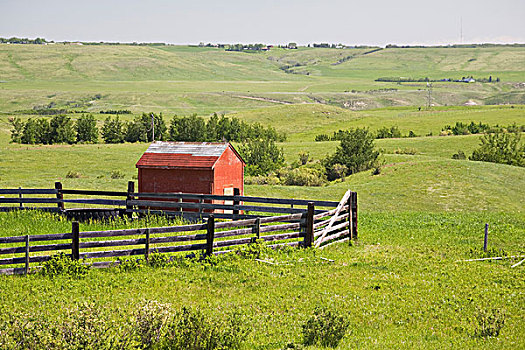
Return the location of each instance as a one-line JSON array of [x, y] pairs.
[[183, 154]]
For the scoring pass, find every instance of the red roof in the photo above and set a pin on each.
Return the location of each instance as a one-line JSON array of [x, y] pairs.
[[195, 155], [170, 160]]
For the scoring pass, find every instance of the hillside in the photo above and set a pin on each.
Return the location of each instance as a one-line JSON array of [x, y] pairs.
[[184, 80]]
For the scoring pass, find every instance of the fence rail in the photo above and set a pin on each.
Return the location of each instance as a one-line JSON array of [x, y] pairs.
[[189, 205], [309, 227]]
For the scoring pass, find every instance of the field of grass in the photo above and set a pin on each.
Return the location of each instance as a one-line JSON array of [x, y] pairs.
[[400, 285], [184, 80]]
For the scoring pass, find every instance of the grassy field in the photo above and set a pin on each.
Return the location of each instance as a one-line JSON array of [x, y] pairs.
[[400, 286], [184, 80]]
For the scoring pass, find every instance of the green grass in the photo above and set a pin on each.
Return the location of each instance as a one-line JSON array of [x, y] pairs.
[[400, 286], [186, 80]]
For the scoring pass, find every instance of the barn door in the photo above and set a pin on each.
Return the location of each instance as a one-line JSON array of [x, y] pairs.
[[228, 191]]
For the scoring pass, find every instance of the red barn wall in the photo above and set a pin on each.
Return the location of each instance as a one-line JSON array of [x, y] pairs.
[[229, 172], [176, 180]]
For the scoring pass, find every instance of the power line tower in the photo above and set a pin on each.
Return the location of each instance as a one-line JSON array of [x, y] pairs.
[[429, 98]]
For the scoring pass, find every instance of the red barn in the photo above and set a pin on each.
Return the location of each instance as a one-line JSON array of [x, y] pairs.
[[191, 167]]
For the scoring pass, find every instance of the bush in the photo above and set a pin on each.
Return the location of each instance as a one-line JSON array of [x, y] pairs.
[[129, 264], [73, 175], [302, 176], [337, 171], [356, 152], [151, 322], [489, 322], [117, 174], [459, 155], [324, 328], [406, 150], [504, 148], [193, 330], [62, 264], [388, 133]]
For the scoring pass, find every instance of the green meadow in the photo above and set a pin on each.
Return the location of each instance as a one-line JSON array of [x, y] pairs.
[[403, 284]]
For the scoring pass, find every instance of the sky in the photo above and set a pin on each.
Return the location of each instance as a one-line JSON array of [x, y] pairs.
[[365, 22]]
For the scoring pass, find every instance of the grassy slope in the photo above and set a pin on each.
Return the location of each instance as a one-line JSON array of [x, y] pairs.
[[204, 80]]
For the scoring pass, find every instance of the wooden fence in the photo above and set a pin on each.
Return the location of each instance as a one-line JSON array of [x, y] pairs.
[[308, 227], [189, 205]]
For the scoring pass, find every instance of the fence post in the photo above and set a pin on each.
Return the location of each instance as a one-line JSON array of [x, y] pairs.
[[349, 203], [180, 201], [27, 255], [486, 238], [309, 233], [354, 214], [131, 190], [60, 195], [200, 207], [210, 233], [20, 196], [235, 212], [75, 240], [146, 248], [256, 230]]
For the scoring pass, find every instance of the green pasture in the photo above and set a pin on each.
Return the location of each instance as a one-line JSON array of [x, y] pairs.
[[184, 80], [401, 285]]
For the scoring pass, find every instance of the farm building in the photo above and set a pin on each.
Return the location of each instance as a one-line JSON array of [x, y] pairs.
[[191, 167]]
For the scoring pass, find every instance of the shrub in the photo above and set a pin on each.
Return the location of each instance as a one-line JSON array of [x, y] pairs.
[[157, 259], [304, 157], [62, 264], [337, 171], [302, 176], [73, 174], [504, 148], [489, 322], [193, 330], [325, 328], [356, 152], [151, 321], [322, 137], [406, 150], [117, 174], [129, 264], [388, 133], [459, 155]]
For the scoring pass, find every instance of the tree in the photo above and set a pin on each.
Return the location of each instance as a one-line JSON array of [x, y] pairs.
[[62, 130], [30, 132], [261, 156], [17, 129], [356, 152], [500, 147], [86, 128], [112, 130], [190, 128]]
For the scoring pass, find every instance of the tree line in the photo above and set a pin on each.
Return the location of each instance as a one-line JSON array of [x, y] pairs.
[[62, 129]]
